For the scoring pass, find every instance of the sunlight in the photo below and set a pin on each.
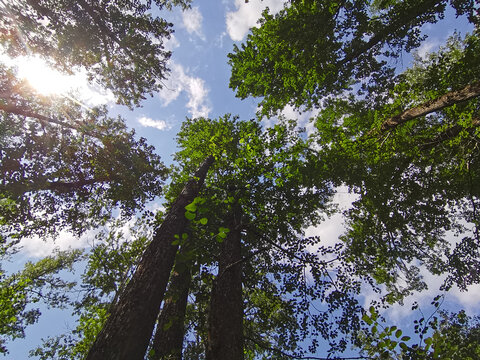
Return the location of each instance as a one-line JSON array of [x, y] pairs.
[[44, 79], [47, 81]]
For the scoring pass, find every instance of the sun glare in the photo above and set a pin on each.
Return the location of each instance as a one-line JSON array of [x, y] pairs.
[[43, 78], [48, 81]]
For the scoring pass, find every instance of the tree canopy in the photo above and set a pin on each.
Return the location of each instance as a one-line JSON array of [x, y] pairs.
[[314, 50], [225, 270], [65, 166], [120, 44]]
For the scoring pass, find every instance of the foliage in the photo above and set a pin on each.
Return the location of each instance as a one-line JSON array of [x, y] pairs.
[[444, 336], [406, 144], [64, 166], [313, 50], [37, 282], [54, 153], [417, 183], [278, 182], [120, 44]]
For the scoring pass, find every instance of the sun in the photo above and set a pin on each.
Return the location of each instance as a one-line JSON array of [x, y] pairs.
[[45, 80]]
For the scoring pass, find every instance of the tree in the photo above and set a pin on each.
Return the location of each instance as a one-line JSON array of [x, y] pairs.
[[120, 44], [116, 251], [406, 144], [37, 282], [313, 50], [127, 331], [225, 322], [416, 181], [442, 335], [167, 343], [266, 179], [64, 166], [54, 153]]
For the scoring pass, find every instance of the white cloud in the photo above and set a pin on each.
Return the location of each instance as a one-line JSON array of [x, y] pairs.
[[334, 226], [427, 47], [36, 247], [194, 87], [192, 21], [171, 43], [157, 124], [304, 118], [246, 16], [468, 298]]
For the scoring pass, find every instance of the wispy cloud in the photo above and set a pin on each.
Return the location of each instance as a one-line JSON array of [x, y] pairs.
[[246, 16], [192, 21], [195, 88], [171, 43], [427, 47], [157, 124], [36, 247]]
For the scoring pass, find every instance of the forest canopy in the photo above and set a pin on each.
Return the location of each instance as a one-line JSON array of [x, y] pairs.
[[227, 267]]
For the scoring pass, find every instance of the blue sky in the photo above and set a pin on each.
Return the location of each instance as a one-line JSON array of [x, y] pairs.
[[198, 86]]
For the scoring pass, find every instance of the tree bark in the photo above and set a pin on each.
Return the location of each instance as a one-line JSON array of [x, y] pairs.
[[451, 98], [128, 329], [225, 323], [168, 339]]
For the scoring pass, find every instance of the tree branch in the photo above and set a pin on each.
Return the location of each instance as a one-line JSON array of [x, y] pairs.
[[389, 29], [451, 98], [448, 134], [14, 109]]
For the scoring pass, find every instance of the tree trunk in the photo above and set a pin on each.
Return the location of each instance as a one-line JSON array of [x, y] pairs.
[[225, 328], [127, 331], [168, 339]]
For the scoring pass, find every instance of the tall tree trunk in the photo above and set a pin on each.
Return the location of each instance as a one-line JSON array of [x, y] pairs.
[[168, 339], [127, 331], [225, 328]]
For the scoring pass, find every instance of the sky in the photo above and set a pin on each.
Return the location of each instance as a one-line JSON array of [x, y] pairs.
[[198, 86]]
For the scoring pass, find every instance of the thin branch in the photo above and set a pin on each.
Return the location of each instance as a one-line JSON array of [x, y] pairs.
[[289, 253], [241, 261], [389, 29], [58, 187]]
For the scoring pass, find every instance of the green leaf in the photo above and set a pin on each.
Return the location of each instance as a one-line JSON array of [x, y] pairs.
[[191, 207], [203, 221], [367, 319], [189, 215]]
